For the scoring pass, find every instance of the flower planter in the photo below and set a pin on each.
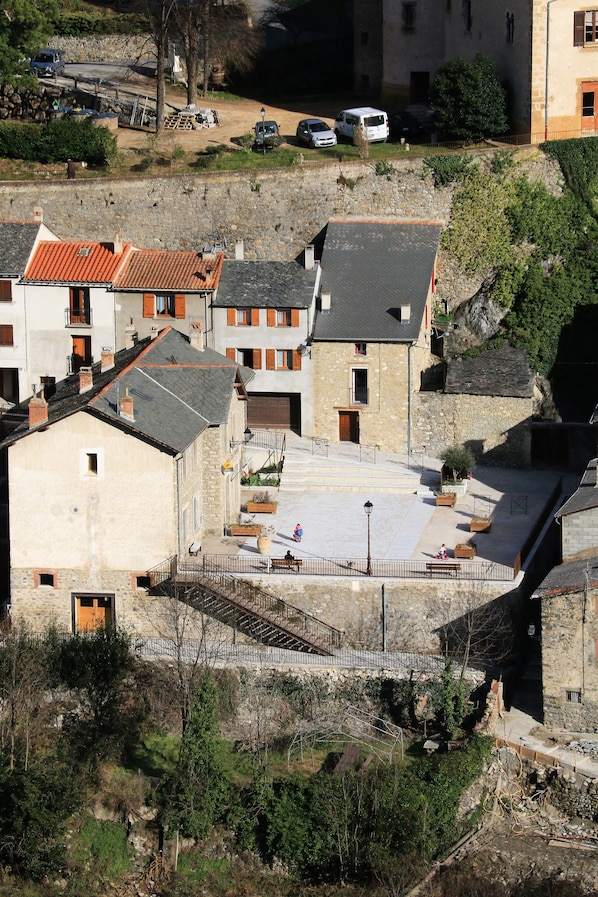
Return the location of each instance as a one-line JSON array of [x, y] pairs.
[[245, 529], [459, 488], [261, 507], [464, 550], [446, 499], [480, 525]]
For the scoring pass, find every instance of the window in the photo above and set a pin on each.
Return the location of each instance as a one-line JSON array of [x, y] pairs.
[[244, 317], [466, 10], [510, 27], [143, 582], [49, 386], [79, 306], [408, 16], [45, 579], [361, 349], [284, 359], [5, 291], [196, 514], [359, 386], [164, 305], [92, 464], [585, 27], [573, 696], [6, 335], [184, 524], [247, 357], [283, 317], [587, 104]]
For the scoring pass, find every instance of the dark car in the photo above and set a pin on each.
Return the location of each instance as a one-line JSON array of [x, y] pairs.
[[47, 63], [404, 124], [314, 132], [267, 135]]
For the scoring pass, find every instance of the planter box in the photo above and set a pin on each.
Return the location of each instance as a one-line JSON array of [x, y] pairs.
[[480, 525], [459, 488], [261, 507], [463, 550], [245, 529], [447, 499]]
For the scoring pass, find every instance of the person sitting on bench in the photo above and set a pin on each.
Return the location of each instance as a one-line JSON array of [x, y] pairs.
[[289, 557]]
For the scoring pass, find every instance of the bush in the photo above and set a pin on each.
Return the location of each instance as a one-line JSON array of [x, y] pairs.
[[469, 100], [447, 169], [57, 141], [458, 460]]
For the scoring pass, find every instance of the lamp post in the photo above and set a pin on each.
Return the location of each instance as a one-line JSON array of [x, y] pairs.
[[368, 508], [263, 114]]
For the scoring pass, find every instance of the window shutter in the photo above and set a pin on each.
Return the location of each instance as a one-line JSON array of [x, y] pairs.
[[294, 317], [257, 359], [6, 338], [231, 353], [148, 305], [255, 317], [179, 305], [270, 360], [578, 28], [271, 317], [296, 360], [231, 316]]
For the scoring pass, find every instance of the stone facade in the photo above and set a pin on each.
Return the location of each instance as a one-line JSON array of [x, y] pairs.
[[579, 532]]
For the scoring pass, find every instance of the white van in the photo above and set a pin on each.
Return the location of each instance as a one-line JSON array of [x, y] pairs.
[[373, 124]]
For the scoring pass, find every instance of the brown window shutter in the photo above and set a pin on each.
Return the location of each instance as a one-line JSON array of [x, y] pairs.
[[294, 317], [255, 317], [271, 317], [148, 305], [231, 316], [270, 360], [6, 337], [578, 28], [257, 359], [231, 353], [179, 305], [296, 360]]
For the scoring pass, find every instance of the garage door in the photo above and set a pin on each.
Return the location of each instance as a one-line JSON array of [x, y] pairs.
[[274, 411]]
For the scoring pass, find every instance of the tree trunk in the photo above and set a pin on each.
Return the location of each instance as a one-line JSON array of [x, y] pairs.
[[160, 82], [192, 63]]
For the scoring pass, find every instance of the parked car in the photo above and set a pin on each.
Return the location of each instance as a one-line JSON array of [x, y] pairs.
[[371, 123], [267, 135], [47, 63], [314, 132], [404, 124]]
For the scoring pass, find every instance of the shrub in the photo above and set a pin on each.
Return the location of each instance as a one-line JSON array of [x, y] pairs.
[[458, 460], [469, 100], [447, 169], [57, 141]]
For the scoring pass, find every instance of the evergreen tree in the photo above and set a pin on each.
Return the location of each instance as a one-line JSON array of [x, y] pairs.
[[469, 100]]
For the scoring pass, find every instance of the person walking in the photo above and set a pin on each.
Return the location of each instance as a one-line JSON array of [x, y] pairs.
[[298, 533]]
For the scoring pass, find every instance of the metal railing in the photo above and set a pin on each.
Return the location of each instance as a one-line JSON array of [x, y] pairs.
[[78, 317], [75, 362]]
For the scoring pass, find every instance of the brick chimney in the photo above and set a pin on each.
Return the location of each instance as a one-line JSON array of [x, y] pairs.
[[131, 335], [117, 246], [197, 336], [107, 357], [38, 411], [125, 406], [85, 379]]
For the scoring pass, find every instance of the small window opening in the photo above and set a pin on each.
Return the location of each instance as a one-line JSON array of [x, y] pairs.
[[92, 463], [46, 579], [143, 582]]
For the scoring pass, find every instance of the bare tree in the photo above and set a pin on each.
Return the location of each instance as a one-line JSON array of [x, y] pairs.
[[24, 681], [159, 16]]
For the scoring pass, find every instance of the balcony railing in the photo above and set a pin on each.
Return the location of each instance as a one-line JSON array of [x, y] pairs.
[[74, 363], [78, 317]]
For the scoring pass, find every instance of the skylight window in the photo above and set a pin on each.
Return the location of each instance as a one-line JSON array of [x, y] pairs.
[[83, 251]]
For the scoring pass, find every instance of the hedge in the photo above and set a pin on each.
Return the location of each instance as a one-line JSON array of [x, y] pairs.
[[57, 141]]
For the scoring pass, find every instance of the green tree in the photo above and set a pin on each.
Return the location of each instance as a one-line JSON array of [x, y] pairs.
[[25, 26], [469, 100], [458, 460]]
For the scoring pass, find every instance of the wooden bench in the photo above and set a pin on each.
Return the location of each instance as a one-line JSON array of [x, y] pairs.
[[277, 563], [446, 499], [442, 567]]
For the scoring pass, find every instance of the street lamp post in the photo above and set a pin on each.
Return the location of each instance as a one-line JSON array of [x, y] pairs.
[[263, 114], [368, 508]]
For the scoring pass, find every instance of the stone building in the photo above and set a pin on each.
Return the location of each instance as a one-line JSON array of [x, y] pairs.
[[127, 465]]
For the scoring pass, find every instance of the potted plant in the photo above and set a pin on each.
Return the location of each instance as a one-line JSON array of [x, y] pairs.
[[458, 462], [245, 527], [261, 504], [264, 540]]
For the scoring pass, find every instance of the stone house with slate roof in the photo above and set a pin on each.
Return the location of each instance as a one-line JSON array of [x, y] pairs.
[[18, 241], [262, 317], [157, 288], [121, 469], [371, 335]]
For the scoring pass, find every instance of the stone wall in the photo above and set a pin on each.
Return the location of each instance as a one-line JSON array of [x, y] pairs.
[[105, 48]]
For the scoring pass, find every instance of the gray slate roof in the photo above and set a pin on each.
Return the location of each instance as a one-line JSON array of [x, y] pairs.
[[17, 239], [585, 496], [569, 577], [251, 284], [177, 391], [499, 372], [371, 268]]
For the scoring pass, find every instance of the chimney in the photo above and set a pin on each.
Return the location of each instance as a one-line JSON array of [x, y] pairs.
[[38, 411], [239, 251], [85, 379], [197, 336], [131, 335], [38, 214], [117, 246], [107, 357], [309, 257], [325, 300], [154, 331], [125, 406], [405, 313]]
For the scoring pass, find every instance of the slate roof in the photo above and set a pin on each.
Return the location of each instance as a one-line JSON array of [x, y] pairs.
[[569, 577], [177, 391], [252, 284], [79, 262], [157, 269], [17, 239], [499, 372], [372, 267], [586, 495]]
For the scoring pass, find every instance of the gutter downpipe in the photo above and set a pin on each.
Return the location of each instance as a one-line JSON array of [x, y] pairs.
[[409, 348], [548, 5]]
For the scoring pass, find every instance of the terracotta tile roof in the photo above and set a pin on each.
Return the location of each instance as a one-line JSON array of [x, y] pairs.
[[157, 269], [76, 262]]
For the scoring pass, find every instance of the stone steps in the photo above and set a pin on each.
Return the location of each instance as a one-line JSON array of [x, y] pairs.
[[314, 474]]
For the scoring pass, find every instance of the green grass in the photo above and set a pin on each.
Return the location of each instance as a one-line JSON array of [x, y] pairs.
[[156, 754], [101, 846]]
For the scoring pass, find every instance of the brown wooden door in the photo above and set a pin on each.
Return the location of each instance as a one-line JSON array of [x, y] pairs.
[[81, 352], [589, 106], [348, 426], [93, 611]]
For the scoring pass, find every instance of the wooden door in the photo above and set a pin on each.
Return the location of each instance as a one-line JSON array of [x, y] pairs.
[[348, 426], [93, 612], [589, 106], [81, 352]]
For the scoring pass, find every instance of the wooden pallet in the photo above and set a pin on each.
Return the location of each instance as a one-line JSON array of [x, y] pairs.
[[178, 122]]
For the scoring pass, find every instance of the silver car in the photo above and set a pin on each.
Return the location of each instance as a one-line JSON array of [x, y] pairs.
[[315, 133], [47, 63]]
